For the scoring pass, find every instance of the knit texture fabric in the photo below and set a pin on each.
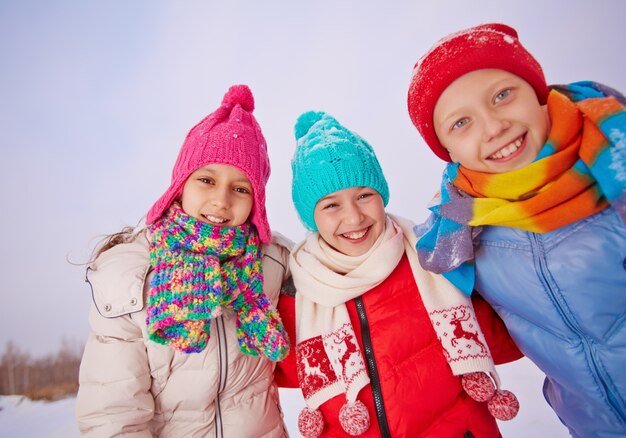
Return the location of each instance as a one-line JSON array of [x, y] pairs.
[[329, 158], [328, 358], [485, 46], [200, 269], [579, 171], [230, 135]]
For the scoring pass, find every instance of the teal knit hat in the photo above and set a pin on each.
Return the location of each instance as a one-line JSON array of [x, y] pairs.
[[329, 158]]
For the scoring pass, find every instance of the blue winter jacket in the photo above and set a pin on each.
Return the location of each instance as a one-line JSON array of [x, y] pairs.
[[562, 296]]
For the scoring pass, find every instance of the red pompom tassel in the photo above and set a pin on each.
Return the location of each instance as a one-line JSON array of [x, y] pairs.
[[310, 423], [354, 418], [478, 386], [504, 405]]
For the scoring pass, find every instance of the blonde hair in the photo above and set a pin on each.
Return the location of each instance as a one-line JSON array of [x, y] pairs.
[[125, 235]]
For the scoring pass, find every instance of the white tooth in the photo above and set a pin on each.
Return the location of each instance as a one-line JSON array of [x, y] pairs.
[[215, 219], [356, 235], [507, 150]]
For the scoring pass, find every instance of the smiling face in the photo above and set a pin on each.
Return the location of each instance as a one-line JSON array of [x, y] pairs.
[[351, 220], [491, 121], [218, 194]]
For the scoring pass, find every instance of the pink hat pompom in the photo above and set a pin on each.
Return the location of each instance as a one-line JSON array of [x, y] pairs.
[[239, 94]]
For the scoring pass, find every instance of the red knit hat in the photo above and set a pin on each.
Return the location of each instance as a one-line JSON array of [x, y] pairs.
[[492, 45], [229, 135]]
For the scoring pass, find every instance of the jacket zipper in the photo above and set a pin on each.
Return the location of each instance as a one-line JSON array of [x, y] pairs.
[[222, 372], [366, 337], [546, 280]]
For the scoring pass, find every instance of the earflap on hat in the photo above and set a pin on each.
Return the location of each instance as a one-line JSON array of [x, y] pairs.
[[487, 46], [230, 135], [328, 158]]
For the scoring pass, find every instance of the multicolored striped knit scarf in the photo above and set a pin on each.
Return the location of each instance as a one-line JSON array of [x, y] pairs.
[[579, 171], [199, 269]]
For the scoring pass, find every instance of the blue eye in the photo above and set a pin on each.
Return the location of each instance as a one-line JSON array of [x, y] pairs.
[[502, 95], [460, 123]]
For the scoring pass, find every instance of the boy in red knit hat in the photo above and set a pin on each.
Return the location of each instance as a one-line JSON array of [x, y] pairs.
[[531, 212]]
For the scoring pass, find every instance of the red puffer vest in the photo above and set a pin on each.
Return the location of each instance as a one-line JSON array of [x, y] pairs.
[[412, 392]]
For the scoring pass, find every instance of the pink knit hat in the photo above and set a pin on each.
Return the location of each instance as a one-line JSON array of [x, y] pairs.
[[229, 135], [492, 45]]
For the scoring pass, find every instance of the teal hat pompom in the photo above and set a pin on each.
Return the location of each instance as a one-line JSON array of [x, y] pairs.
[[305, 121], [329, 158]]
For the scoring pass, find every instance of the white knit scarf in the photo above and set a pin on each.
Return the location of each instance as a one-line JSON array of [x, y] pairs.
[[329, 360]]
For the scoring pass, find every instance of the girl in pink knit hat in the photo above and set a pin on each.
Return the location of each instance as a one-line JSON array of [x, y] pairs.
[[184, 329]]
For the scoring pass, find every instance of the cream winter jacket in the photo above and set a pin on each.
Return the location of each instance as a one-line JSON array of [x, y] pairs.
[[133, 387]]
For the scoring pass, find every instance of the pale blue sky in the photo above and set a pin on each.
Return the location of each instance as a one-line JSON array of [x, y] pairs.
[[97, 97]]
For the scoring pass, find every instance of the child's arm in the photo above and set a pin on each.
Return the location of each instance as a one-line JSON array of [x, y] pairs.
[[286, 374], [114, 396], [503, 348], [114, 393]]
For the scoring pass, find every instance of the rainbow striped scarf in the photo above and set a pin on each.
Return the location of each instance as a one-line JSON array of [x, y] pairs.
[[198, 270], [579, 171]]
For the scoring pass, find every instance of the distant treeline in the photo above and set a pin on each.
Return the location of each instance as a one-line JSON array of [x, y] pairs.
[[47, 378]]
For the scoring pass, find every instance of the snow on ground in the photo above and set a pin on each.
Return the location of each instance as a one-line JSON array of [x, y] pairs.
[[21, 417]]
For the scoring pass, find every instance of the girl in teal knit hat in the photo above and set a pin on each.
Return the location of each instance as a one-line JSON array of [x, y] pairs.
[[383, 348]]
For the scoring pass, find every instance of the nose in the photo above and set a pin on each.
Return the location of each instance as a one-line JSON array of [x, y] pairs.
[[494, 125], [221, 197], [352, 214]]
